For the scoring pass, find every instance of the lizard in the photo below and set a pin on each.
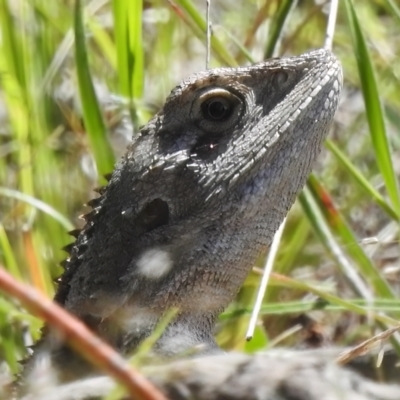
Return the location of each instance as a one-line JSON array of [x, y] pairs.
[[197, 197]]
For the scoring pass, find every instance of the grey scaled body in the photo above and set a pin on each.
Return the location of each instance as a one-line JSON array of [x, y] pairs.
[[197, 197]]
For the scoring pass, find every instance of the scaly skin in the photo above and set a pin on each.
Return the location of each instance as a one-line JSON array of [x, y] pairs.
[[197, 197]]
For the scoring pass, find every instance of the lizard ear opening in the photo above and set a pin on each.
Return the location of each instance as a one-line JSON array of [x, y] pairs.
[[154, 214]]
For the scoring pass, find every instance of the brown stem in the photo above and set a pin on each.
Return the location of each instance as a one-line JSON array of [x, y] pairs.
[[78, 336]]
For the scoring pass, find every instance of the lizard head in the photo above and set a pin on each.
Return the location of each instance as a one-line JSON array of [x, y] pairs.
[[221, 129]]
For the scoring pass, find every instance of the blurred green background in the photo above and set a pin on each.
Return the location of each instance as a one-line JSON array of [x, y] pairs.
[[340, 246]]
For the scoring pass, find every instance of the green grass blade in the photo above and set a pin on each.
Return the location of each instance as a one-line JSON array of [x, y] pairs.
[[277, 24], [374, 110], [135, 12], [304, 306], [394, 8], [11, 47], [325, 234], [340, 228], [129, 45], [39, 205], [120, 9], [92, 117], [331, 298], [60, 24], [244, 53], [361, 180], [7, 254], [104, 42]]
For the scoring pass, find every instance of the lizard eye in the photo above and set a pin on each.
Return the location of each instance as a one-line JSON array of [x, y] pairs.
[[217, 109]]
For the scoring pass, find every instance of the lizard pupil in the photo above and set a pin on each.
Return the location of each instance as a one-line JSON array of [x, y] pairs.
[[217, 109]]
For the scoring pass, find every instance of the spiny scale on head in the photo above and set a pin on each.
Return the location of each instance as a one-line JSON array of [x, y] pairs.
[[68, 248], [63, 264], [80, 247], [107, 177], [100, 190], [89, 216], [75, 232], [94, 203], [77, 248]]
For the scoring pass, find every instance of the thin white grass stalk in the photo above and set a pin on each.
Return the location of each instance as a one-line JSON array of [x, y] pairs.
[[346, 266], [264, 281], [330, 29]]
